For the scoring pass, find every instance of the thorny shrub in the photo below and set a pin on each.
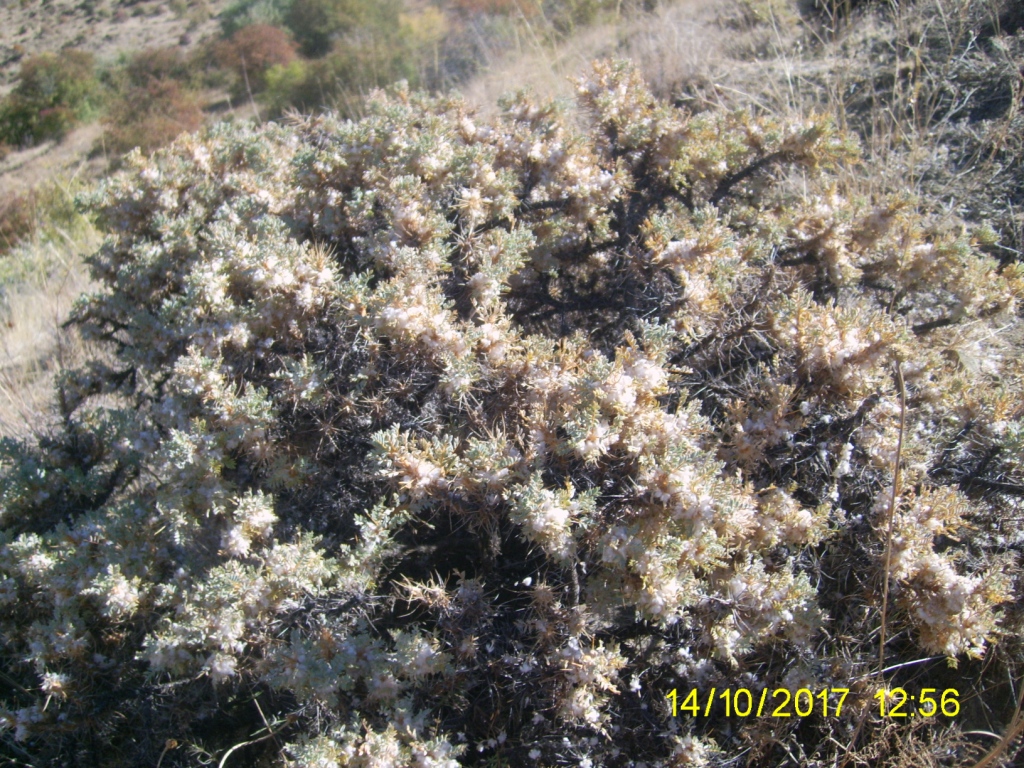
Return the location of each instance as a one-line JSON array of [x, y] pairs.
[[429, 441]]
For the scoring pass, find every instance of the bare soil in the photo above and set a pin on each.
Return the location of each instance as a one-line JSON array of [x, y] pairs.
[[105, 28], [20, 171], [108, 29]]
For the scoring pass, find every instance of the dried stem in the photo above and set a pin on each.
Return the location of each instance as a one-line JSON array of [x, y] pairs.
[[892, 516]]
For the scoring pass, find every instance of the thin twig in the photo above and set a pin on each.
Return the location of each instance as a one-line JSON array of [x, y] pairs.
[[894, 667], [227, 754], [892, 517], [271, 734], [888, 562], [168, 745], [1013, 730], [252, 101], [263, 717]]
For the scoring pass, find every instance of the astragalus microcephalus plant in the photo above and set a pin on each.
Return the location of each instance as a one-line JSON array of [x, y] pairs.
[[427, 441]]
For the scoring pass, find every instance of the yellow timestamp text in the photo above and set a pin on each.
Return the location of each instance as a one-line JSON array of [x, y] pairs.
[[780, 702], [803, 702], [896, 702]]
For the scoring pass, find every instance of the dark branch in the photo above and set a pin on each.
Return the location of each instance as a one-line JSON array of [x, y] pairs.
[[931, 325], [999, 486], [725, 186]]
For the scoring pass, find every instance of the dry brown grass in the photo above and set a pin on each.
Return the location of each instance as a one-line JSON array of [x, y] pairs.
[[678, 42], [932, 89], [23, 170], [695, 52], [34, 345]]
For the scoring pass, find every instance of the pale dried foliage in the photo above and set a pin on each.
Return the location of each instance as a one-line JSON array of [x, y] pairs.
[[449, 438], [427, 425]]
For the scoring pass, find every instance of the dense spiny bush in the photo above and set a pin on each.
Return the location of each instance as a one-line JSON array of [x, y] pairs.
[[424, 441], [54, 92]]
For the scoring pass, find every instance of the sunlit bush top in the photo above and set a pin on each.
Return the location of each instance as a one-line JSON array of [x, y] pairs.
[[421, 440]]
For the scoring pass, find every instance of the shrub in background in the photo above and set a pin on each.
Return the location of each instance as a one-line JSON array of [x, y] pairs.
[[430, 441], [354, 46], [245, 12], [168, 63], [17, 219], [54, 92], [154, 98], [317, 24], [528, 8], [402, 46], [149, 116], [545, 17], [44, 213], [293, 86], [568, 15], [253, 50], [399, 47]]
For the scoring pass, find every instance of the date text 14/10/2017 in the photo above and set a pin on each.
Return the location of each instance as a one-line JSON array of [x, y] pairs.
[[781, 702]]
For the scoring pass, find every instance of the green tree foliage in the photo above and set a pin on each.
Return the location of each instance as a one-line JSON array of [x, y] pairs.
[[245, 12], [317, 24], [53, 93], [424, 440], [382, 48], [292, 85]]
